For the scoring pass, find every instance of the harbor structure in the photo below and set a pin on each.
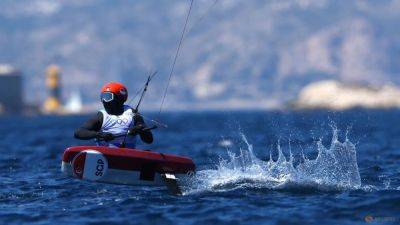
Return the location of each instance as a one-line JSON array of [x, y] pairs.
[[53, 102], [11, 90]]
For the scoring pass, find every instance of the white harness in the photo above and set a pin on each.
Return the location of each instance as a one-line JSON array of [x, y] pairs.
[[118, 126]]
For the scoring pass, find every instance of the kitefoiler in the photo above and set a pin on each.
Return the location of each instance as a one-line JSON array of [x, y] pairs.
[[116, 129], [115, 159]]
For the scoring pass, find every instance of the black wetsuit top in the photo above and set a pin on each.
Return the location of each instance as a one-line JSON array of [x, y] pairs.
[[89, 130]]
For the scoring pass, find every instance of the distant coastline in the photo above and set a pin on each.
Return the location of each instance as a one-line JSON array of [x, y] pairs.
[[335, 95]]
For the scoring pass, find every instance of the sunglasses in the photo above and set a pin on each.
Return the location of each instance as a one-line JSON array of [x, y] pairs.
[[107, 96]]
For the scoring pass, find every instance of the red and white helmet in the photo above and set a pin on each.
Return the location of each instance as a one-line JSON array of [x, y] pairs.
[[114, 88]]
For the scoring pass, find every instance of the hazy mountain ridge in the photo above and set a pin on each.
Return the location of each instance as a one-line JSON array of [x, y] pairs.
[[239, 52]]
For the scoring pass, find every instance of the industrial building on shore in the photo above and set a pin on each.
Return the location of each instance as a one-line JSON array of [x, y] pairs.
[[11, 90]]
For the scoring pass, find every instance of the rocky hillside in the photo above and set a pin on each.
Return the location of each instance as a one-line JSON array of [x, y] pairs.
[[338, 96], [253, 53]]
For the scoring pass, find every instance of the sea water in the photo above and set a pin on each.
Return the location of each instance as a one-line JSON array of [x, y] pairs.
[[252, 168]]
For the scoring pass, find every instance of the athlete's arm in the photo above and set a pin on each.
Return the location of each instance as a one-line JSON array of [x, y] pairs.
[[146, 136], [90, 129]]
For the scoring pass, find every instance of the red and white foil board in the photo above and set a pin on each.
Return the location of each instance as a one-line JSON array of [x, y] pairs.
[[123, 166]]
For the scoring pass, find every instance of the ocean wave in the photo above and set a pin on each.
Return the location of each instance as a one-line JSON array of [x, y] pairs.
[[334, 169]]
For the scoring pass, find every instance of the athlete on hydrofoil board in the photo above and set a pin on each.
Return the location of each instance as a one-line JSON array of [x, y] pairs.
[[118, 124]]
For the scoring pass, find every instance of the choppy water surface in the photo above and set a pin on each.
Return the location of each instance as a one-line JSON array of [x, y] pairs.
[[253, 168]]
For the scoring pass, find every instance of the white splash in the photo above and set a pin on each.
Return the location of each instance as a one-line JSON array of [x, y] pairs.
[[226, 143], [334, 168]]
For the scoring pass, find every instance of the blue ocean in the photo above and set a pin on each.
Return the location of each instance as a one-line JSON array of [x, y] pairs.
[[253, 167]]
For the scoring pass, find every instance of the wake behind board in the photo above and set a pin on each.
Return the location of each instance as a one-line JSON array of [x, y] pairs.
[[126, 166]]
